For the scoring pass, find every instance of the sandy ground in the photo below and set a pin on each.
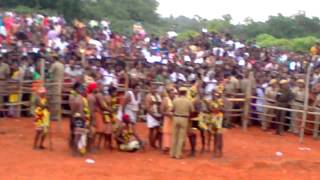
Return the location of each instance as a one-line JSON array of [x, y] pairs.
[[250, 155]]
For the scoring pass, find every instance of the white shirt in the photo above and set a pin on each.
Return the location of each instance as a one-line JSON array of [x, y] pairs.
[[283, 58], [72, 72], [109, 78], [211, 85], [174, 77], [187, 58], [241, 61], [199, 59], [62, 45], [239, 45], [147, 55], [269, 67], [218, 51], [107, 33], [97, 43], [192, 77], [172, 34], [104, 23], [292, 65], [260, 94], [133, 105], [230, 43]]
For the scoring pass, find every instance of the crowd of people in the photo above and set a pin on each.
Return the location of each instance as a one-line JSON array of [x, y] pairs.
[[179, 87]]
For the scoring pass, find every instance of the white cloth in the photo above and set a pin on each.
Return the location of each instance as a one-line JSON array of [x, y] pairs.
[[152, 122], [269, 67], [131, 108], [199, 59], [97, 43], [230, 43], [104, 23], [292, 66], [174, 77], [283, 58], [187, 58], [72, 72], [260, 94], [211, 85], [62, 45], [218, 51], [239, 45], [109, 78], [3, 31], [241, 61], [147, 55], [192, 77], [172, 34]]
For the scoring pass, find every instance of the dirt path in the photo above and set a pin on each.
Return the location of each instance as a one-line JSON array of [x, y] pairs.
[[248, 155]]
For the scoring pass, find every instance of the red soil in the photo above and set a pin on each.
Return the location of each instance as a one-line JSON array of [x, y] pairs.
[[248, 155]]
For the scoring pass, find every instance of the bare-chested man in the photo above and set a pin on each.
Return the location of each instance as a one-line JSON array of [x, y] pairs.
[[79, 119], [153, 102], [92, 104]]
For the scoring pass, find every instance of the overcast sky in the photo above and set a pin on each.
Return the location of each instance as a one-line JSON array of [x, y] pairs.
[[239, 9]]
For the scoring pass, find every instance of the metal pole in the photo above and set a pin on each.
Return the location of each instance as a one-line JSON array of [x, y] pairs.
[[306, 104]]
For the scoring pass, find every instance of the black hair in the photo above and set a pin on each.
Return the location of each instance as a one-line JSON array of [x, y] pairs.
[[182, 93], [77, 85], [134, 85], [148, 84], [111, 90]]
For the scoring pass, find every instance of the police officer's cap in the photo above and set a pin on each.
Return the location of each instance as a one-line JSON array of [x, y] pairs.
[[284, 81], [273, 81], [300, 81]]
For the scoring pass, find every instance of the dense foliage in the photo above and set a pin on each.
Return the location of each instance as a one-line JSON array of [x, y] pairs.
[[296, 32]]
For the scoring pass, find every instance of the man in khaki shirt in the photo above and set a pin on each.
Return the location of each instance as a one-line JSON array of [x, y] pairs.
[[4, 75], [299, 94], [4, 70], [57, 75], [231, 87], [182, 108], [270, 99], [244, 83]]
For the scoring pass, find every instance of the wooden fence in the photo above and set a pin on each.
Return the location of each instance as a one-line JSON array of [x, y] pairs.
[[25, 97]]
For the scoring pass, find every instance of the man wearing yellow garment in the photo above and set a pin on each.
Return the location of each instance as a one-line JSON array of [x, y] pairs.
[[198, 123], [126, 137], [42, 121], [193, 91], [215, 124]]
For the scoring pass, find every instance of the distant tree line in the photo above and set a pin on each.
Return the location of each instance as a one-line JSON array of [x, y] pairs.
[[279, 30]]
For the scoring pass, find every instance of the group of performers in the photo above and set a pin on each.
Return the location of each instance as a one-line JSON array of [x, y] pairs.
[[98, 118]]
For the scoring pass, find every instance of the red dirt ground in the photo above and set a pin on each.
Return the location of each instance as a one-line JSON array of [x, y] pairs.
[[249, 155]]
